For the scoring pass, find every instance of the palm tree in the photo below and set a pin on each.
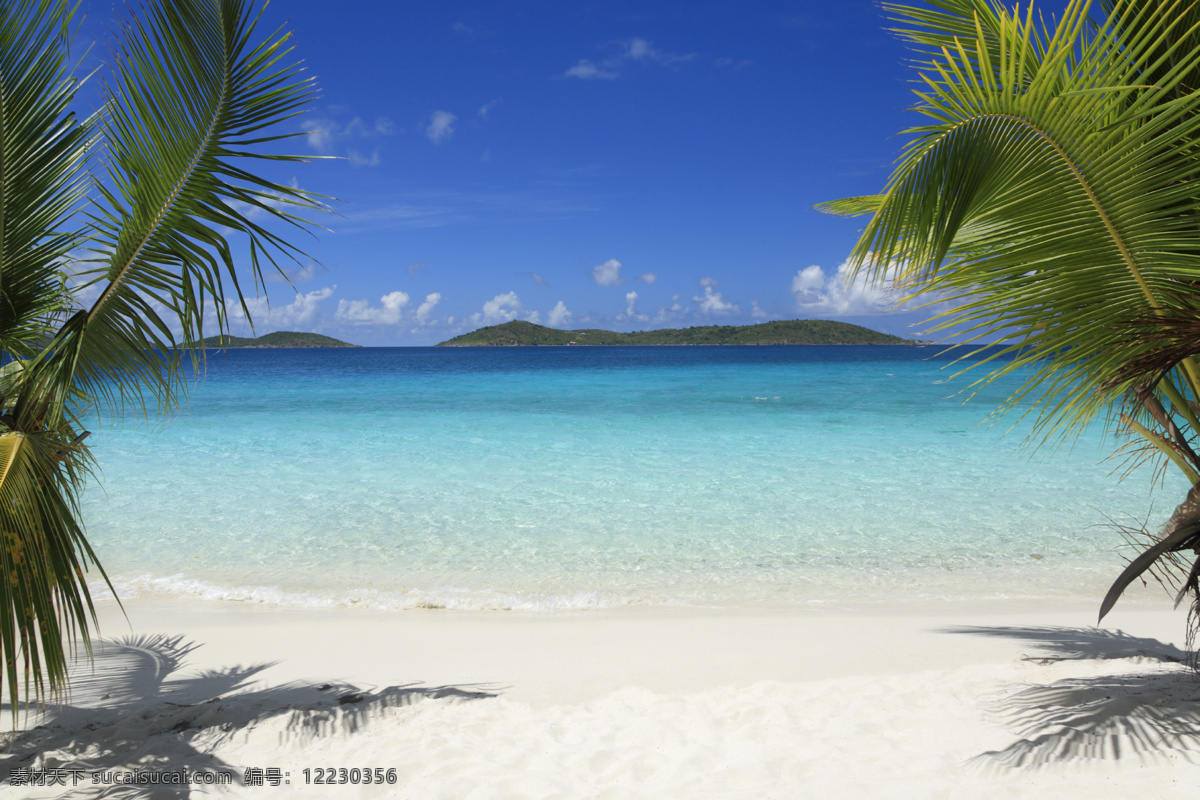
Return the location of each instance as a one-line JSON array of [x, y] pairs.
[[1052, 199], [112, 253]]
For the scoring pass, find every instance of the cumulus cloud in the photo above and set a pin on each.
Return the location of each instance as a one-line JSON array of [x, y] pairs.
[[501, 308], [647, 278], [757, 312], [361, 312], [558, 316], [534, 317], [631, 307], [808, 280], [441, 126], [608, 273], [301, 311], [713, 302], [814, 291], [426, 308]]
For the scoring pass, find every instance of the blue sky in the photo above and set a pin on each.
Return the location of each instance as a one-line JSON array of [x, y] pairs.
[[617, 165]]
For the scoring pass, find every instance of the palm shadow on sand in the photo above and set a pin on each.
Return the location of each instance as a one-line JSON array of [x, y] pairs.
[[1147, 715], [135, 710]]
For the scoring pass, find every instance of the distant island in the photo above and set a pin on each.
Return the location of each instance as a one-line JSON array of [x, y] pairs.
[[276, 339], [798, 331]]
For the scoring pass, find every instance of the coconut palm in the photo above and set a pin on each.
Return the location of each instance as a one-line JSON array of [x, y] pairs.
[[1052, 198], [113, 252]]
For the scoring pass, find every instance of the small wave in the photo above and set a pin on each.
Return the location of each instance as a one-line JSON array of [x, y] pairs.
[[830, 594], [177, 586]]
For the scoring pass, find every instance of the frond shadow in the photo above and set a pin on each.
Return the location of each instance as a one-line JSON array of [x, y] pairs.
[[1150, 715], [1064, 644], [132, 709]]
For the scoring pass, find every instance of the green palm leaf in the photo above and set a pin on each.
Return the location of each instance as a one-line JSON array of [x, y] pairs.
[[43, 600], [42, 153], [1055, 205], [1051, 198], [194, 96], [191, 98]]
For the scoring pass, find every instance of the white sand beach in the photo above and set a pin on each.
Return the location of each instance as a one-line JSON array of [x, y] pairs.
[[1001, 700]]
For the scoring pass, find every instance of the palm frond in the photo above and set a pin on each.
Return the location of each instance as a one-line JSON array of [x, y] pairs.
[[195, 94], [1050, 200], [1054, 206], [192, 97], [852, 206], [42, 153], [44, 600]]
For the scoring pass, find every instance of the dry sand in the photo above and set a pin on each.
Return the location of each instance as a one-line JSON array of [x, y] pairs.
[[954, 700]]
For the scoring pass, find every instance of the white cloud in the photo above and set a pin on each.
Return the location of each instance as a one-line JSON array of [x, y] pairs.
[[587, 70], [394, 301], [501, 308], [357, 159], [713, 302], [381, 127], [320, 134], [632, 51], [757, 311], [809, 279], [608, 273], [630, 306], [361, 312], [838, 294], [303, 308], [441, 126], [559, 316], [538, 279], [647, 278], [426, 308], [301, 275], [301, 311], [534, 317], [638, 49], [485, 110], [323, 134]]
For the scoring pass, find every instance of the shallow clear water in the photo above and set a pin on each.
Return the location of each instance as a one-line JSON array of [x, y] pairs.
[[549, 478]]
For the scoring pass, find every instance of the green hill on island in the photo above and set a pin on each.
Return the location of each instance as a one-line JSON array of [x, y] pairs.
[[799, 331], [276, 339]]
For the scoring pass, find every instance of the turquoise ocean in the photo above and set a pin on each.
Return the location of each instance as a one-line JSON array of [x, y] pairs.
[[548, 479]]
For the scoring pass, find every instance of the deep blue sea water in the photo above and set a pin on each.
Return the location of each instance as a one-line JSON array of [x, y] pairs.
[[552, 478]]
